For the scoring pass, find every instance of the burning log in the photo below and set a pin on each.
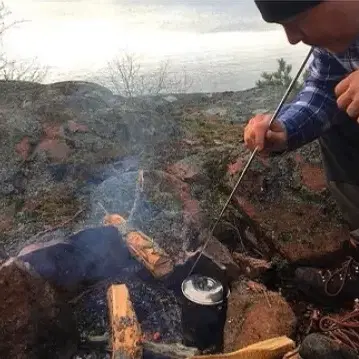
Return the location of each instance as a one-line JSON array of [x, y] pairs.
[[125, 329], [142, 247]]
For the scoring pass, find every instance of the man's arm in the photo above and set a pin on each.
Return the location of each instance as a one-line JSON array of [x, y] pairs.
[[314, 109]]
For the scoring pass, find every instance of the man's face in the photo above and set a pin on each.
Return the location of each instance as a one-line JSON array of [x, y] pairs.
[[333, 25]]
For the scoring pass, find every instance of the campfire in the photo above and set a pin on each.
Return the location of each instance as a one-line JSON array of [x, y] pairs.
[[110, 291], [114, 311]]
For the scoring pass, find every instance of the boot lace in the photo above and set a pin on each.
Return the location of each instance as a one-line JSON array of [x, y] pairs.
[[349, 270], [344, 330]]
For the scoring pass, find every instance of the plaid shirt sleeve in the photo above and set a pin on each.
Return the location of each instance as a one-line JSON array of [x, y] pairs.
[[314, 109]]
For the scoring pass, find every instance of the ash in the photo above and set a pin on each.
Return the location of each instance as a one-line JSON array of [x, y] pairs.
[[92, 355], [157, 309]]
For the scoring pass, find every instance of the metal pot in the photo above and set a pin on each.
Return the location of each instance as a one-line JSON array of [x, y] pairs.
[[204, 304]]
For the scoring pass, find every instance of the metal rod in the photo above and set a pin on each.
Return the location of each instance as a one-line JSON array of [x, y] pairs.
[[284, 98]]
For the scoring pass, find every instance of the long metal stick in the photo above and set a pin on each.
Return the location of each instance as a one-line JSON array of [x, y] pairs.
[[284, 98]]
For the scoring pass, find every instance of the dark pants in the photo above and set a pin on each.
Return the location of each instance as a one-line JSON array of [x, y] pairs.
[[340, 153]]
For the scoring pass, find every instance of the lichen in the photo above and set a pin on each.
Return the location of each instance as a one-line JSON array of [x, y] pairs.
[[51, 206]]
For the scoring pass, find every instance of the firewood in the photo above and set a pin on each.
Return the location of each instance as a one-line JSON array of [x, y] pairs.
[[113, 220], [274, 348], [125, 330], [142, 247], [173, 351]]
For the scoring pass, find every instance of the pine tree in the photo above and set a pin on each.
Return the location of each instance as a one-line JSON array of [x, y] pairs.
[[282, 77]]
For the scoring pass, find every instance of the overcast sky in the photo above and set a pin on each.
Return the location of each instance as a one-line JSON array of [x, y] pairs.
[[81, 35]]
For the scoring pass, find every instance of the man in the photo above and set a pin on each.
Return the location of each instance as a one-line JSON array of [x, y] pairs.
[[327, 109]]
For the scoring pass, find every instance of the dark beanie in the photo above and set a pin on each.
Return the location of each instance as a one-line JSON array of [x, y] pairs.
[[280, 10]]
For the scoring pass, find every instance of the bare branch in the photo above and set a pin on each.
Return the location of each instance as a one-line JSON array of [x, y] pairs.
[[129, 79], [12, 69]]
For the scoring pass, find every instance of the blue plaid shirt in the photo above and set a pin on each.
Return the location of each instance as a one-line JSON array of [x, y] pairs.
[[314, 110]]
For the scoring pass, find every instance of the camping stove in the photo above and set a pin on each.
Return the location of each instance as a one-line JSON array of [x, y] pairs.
[[203, 312]]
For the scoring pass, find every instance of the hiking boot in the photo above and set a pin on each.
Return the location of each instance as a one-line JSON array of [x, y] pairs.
[[327, 285], [319, 346]]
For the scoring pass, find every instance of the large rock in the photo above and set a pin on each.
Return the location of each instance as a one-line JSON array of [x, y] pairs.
[[281, 208], [254, 315], [57, 139], [74, 145], [85, 258], [34, 323], [288, 203], [319, 346]]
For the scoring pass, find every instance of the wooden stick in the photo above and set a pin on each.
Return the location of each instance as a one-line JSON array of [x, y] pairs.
[[173, 351], [125, 330], [274, 348]]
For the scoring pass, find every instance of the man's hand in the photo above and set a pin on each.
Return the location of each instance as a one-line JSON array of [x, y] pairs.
[[347, 93], [257, 133]]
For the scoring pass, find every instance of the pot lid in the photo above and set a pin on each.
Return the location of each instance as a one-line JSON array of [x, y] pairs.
[[203, 290]]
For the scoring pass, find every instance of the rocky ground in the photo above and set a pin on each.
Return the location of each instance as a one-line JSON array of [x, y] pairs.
[[71, 152]]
